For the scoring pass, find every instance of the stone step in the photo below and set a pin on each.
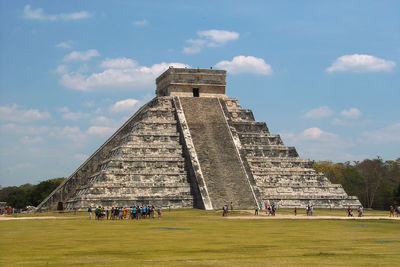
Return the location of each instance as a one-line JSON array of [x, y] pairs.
[[259, 139], [279, 162], [269, 151], [220, 164], [244, 115], [251, 127]]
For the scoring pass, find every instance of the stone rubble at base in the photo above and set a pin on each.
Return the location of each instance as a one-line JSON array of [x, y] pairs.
[[181, 151]]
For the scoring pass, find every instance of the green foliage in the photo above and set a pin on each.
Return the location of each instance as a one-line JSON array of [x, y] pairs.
[[28, 195], [376, 183]]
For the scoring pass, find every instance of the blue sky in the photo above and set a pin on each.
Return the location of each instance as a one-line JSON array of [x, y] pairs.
[[322, 74]]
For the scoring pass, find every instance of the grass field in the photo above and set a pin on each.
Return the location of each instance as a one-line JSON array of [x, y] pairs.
[[196, 237]]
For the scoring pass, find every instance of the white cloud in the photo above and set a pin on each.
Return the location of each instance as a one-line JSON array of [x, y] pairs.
[[61, 69], [135, 77], [388, 135], [103, 121], [100, 130], [142, 22], [39, 14], [65, 45], [67, 132], [80, 157], [318, 113], [24, 129], [218, 36], [245, 64], [209, 38], [72, 116], [63, 109], [81, 56], [317, 134], [27, 140], [196, 45], [14, 113], [352, 113], [119, 63], [77, 135], [89, 104], [361, 63], [124, 106]]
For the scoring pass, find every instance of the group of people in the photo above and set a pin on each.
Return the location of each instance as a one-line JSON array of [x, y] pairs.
[[270, 210], [360, 211], [118, 213], [6, 210]]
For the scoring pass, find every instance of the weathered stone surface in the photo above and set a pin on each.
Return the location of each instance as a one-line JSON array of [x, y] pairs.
[[281, 177], [220, 163], [191, 151]]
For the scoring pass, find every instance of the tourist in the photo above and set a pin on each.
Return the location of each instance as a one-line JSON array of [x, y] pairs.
[[391, 208], [133, 212], [349, 212], [273, 209], [225, 210], [121, 213], [144, 211], [108, 212], [295, 211], [138, 212], [231, 205], [360, 211], [97, 212], [255, 209], [266, 208], [90, 212], [308, 210], [311, 210], [159, 211], [397, 211]]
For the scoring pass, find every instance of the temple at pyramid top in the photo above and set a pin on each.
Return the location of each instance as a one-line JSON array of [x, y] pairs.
[[191, 83]]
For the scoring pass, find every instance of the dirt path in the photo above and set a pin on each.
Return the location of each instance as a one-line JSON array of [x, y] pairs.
[[8, 218], [315, 217]]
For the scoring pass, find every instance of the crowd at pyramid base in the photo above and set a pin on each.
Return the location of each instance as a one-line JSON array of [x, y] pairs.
[[192, 146]]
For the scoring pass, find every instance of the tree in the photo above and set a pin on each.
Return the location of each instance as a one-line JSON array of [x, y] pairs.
[[372, 172], [28, 195]]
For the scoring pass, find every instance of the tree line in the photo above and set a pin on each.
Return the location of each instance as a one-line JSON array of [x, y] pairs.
[[375, 182], [28, 195]]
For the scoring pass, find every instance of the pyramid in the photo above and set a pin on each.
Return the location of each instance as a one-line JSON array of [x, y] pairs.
[[192, 146]]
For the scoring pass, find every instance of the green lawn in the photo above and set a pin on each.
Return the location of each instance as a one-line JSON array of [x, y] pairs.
[[196, 237]]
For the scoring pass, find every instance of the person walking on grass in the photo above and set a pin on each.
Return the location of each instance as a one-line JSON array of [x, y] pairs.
[[295, 211], [349, 212], [159, 212], [256, 209], [391, 208], [231, 205], [225, 210], [90, 212], [360, 211]]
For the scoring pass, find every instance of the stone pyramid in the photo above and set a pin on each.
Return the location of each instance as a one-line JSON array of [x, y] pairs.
[[192, 146]]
